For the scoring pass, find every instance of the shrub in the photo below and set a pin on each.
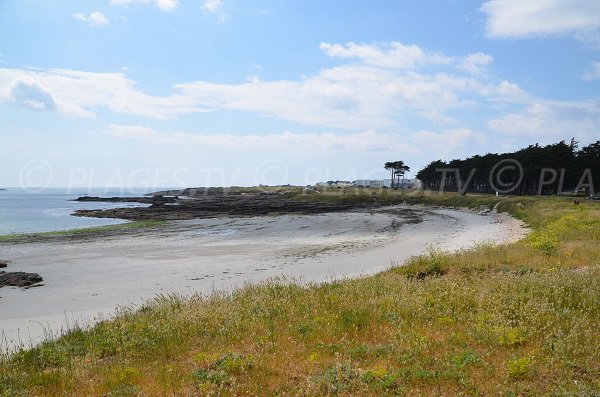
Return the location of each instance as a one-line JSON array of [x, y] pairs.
[[544, 242], [335, 379], [520, 368], [433, 264], [512, 337], [466, 358]]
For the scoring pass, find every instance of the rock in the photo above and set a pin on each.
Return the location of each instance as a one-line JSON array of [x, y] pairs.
[[3, 264], [19, 279], [217, 203], [156, 199]]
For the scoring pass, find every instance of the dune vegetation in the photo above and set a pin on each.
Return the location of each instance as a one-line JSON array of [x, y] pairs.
[[509, 320]]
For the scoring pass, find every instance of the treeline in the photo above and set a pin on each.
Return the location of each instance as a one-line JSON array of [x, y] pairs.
[[553, 169]]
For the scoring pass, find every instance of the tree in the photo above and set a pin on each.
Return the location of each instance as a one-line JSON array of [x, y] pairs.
[[401, 171], [550, 169], [397, 170], [390, 167]]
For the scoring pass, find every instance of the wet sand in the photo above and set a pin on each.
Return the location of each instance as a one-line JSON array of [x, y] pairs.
[[88, 278]]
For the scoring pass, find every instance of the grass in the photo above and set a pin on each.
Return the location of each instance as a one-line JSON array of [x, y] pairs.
[[85, 231], [358, 195], [509, 320]]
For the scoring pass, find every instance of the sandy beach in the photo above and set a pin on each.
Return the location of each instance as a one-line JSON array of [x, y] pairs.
[[88, 278]]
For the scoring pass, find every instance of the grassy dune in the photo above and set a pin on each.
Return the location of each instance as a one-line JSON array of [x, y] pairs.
[[512, 320]]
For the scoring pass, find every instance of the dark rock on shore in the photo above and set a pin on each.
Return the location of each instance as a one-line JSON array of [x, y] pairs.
[[210, 203], [154, 200], [19, 279]]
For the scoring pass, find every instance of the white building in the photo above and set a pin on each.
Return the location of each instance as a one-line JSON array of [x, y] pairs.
[[374, 183], [335, 184], [381, 183]]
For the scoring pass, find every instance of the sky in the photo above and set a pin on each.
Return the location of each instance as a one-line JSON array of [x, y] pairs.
[[169, 93]]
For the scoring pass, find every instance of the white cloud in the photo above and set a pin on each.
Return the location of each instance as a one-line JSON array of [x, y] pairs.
[[593, 73], [353, 96], [476, 63], [392, 55], [164, 5], [95, 19], [435, 144], [526, 18], [142, 133], [28, 92], [589, 37], [167, 5], [216, 7], [509, 89], [451, 141], [508, 92], [81, 93], [212, 6], [364, 141], [547, 121], [125, 2]]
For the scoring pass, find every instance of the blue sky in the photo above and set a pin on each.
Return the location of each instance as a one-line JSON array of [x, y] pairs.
[[156, 93]]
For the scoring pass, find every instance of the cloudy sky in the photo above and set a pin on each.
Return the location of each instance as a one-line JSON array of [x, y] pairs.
[[157, 93]]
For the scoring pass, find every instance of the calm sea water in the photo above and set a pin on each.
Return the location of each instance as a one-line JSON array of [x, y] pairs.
[[24, 211]]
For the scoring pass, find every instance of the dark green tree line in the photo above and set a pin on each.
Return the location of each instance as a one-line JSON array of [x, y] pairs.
[[553, 169]]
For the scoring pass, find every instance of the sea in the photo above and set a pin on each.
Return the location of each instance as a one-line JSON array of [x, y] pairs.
[[36, 211]]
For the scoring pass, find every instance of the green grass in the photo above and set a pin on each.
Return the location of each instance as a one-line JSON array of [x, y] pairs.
[[86, 231], [356, 195], [509, 320]]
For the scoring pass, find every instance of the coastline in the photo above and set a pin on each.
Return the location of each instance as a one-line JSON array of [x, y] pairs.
[[50, 210], [87, 277]]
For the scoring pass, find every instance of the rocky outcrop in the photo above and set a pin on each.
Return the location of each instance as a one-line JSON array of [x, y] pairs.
[[215, 203], [19, 279]]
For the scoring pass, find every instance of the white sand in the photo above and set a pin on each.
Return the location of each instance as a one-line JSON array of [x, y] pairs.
[[90, 278]]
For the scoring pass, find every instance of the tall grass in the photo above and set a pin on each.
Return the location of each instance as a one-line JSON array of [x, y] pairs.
[[509, 320]]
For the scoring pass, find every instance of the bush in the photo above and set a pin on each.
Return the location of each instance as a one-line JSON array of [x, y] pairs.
[[544, 242], [520, 368], [433, 264]]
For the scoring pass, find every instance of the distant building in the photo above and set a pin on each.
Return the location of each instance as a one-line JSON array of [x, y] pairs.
[[335, 183], [374, 183], [381, 183]]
